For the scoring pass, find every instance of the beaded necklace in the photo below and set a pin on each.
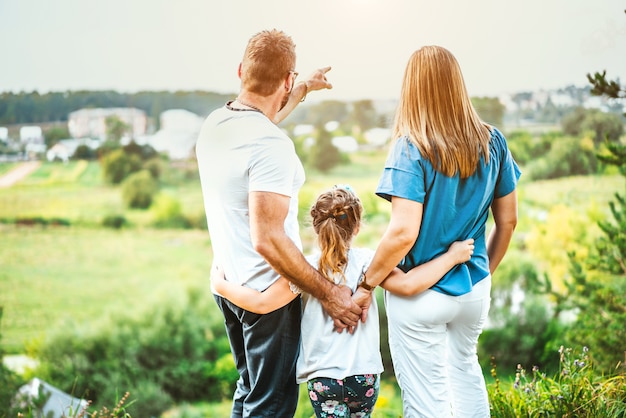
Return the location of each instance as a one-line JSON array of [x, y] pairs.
[[252, 108]]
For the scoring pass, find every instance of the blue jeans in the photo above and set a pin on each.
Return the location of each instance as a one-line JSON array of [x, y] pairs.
[[265, 349], [352, 396]]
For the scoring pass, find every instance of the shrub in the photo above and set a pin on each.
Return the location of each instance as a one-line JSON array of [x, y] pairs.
[[117, 165], [138, 190], [168, 212], [9, 383], [574, 391], [114, 221], [568, 156], [173, 353]]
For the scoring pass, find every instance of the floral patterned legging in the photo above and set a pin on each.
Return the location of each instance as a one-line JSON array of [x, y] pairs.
[[352, 397]]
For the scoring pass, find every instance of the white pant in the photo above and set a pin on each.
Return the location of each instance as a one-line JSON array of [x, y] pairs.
[[433, 338]]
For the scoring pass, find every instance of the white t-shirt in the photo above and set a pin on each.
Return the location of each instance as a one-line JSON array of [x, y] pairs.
[[327, 353], [238, 152]]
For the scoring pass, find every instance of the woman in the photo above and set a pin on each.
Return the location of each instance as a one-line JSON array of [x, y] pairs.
[[445, 171]]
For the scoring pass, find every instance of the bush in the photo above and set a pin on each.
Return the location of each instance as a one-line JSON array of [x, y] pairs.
[[117, 165], [567, 157], [9, 384], [168, 213], [83, 152], [138, 190], [574, 391], [173, 353], [114, 221]]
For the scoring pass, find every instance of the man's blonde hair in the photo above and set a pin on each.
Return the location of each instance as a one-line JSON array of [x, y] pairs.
[[268, 59], [436, 113]]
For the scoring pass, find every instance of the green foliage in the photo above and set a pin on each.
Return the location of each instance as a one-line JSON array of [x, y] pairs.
[[83, 152], [567, 156], [114, 221], [55, 134], [139, 189], [524, 335], [117, 165], [174, 352], [115, 128], [9, 381], [526, 147], [574, 391], [489, 109], [168, 212], [604, 126], [324, 155], [601, 315], [51, 276], [155, 166], [144, 152], [603, 87], [364, 115], [32, 107]]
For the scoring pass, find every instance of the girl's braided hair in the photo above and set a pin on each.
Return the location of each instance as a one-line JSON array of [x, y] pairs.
[[336, 216]]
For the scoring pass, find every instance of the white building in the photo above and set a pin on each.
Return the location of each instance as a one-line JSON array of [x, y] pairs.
[[4, 133], [92, 122], [178, 134], [31, 135]]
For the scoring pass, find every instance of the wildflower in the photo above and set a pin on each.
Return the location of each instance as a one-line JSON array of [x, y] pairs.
[[535, 369], [585, 349]]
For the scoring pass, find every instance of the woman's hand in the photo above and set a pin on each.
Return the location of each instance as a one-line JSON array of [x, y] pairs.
[[461, 251]]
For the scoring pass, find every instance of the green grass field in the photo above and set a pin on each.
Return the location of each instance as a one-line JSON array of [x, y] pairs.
[[56, 277], [81, 272]]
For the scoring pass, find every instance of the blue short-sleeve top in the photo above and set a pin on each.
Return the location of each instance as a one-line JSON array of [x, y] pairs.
[[454, 209]]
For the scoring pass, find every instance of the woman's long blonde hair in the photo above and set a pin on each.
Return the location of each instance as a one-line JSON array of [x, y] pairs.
[[336, 216], [436, 113]]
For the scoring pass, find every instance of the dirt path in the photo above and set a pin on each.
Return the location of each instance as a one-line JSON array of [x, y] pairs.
[[18, 173]]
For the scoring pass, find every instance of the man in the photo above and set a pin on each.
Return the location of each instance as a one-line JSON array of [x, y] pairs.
[[250, 177]]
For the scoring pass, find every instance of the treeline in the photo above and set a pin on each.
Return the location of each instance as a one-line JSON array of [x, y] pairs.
[[23, 107]]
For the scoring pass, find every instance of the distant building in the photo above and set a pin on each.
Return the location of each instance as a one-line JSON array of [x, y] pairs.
[[377, 136], [65, 148], [345, 143], [31, 135], [178, 134], [4, 133], [92, 122]]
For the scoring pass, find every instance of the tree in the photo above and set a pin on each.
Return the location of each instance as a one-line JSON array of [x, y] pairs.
[[117, 165], [116, 128], [490, 109], [605, 126], [55, 134], [364, 115], [324, 155], [596, 288], [139, 189]]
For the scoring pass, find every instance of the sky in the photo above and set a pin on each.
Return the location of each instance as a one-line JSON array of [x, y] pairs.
[[503, 46]]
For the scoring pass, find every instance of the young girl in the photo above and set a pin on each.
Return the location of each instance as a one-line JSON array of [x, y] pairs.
[[342, 370]]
